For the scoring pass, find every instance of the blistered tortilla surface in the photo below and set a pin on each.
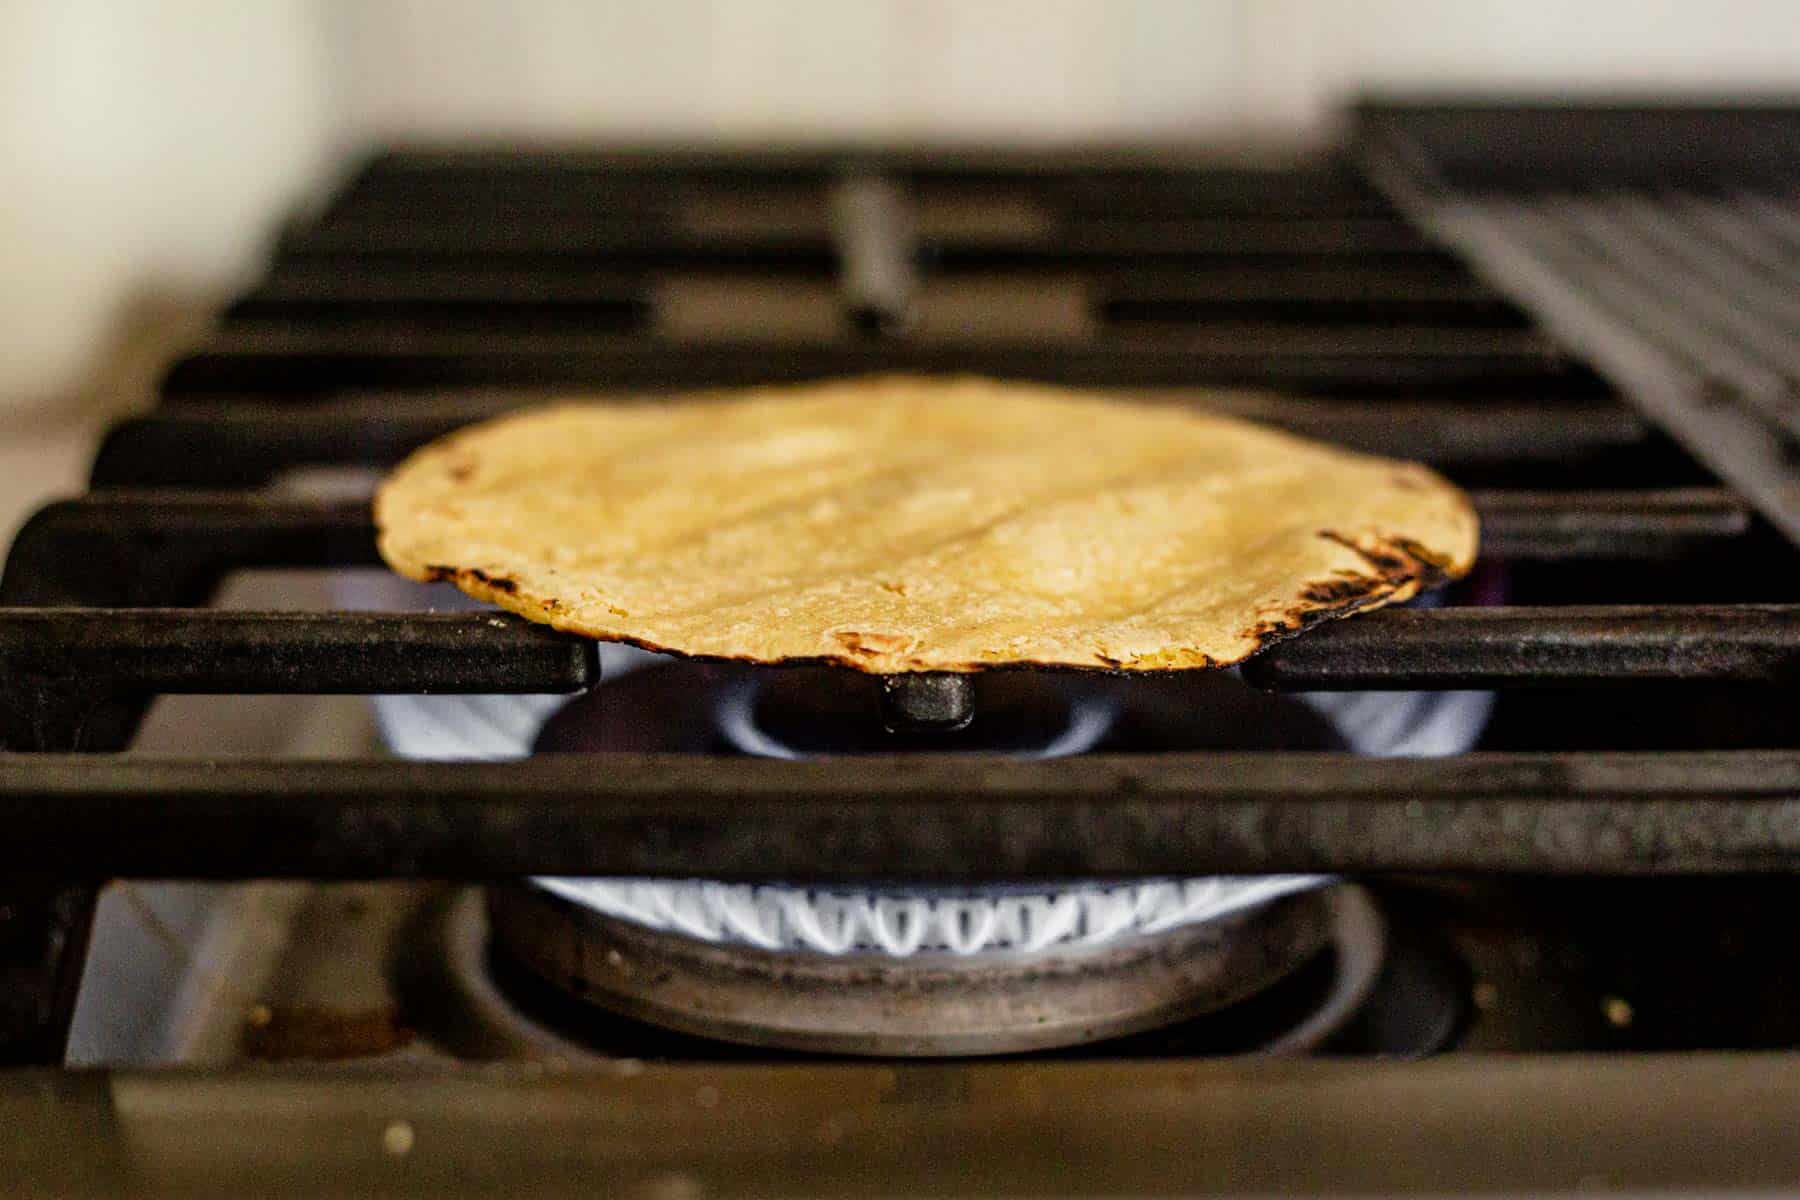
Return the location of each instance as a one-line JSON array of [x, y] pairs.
[[903, 524]]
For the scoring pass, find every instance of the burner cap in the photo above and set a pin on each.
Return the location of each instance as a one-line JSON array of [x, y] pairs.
[[805, 712]]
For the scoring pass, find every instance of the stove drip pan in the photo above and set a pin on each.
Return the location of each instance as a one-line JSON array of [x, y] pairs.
[[935, 1004]]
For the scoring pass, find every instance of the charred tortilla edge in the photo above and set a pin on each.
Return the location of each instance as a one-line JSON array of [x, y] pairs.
[[1401, 569]]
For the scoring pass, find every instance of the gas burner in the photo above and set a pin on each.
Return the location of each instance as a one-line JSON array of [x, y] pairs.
[[944, 1004], [795, 712], [895, 968], [807, 713], [903, 922], [803, 712], [652, 702]]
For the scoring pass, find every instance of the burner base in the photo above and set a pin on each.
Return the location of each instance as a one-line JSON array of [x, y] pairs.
[[942, 1005]]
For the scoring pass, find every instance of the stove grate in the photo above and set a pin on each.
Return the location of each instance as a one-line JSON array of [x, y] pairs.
[[439, 288]]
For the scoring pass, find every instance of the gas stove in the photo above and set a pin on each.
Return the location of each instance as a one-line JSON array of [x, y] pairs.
[[1406, 896]]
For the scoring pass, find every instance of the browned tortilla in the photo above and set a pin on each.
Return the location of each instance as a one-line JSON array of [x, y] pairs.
[[905, 524]]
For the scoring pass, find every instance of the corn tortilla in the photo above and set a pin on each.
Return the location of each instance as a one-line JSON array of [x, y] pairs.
[[907, 524]]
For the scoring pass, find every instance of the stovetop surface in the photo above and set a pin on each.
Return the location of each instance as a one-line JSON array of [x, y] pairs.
[[1629, 471], [374, 975]]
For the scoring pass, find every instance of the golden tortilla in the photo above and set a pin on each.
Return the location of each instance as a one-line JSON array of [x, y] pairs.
[[905, 524]]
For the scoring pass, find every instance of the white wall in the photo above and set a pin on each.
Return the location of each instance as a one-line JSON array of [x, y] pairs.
[[1030, 69], [748, 69], [1310, 54], [146, 148], [145, 151]]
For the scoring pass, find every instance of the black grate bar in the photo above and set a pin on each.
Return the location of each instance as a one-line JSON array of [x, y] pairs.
[[1542, 146], [382, 318], [498, 282], [491, 165], [225, 530], [1151, 197], [1286, 281], [1360, 362], [629, 238], [172, 548], [927, 818], [629, 183], [1619, 525], [767, 256], [1492, 346], [1541, 647], [488, 167], [1195, 182], [246, 443], [1352, 293], [647, 203], [573, 299], [209, 651], [1214, 191], [551, 240], [441, 226], [785, 253], [1331, 239]]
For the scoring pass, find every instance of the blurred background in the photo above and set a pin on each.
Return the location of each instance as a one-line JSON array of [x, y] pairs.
[[149, 151], [147, 148]]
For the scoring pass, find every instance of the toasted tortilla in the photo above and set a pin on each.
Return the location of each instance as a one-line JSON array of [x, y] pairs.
[[907, 524]]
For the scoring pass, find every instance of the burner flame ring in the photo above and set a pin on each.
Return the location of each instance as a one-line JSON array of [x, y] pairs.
[[936, 1005]]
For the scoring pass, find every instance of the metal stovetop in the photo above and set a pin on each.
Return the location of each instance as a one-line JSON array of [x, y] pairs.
[[1645, 664]]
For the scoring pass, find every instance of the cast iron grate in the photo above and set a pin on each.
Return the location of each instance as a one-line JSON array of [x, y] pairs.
[[442, 287]]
